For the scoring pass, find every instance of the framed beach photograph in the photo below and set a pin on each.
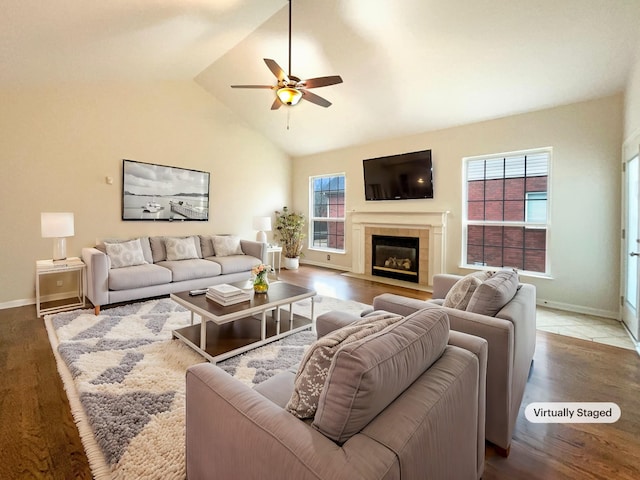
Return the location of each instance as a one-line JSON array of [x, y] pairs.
[[161, 193]]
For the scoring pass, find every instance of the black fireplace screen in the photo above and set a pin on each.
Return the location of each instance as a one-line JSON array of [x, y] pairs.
[[395, 257]]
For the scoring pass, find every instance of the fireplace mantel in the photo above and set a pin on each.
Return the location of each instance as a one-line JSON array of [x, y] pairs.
[[434, 222]]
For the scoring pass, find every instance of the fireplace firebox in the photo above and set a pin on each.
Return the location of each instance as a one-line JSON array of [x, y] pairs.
[[395, 257]]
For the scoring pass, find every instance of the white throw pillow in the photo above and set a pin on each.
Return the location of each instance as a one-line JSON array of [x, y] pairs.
[[225, 245], [125, 254], [180, 248]]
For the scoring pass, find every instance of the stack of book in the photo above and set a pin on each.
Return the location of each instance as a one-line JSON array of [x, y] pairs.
[[227, 294]]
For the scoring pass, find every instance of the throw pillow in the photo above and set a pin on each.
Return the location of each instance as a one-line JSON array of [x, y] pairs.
[[225, 245], [493, 294], [460, 294], [125, 254], [314, 367], [368, 375], [180, 248]]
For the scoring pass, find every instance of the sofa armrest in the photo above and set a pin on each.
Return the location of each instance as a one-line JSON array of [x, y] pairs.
[[97, 264], [393, 303], [225, 420], [521, 312], [255, 249], [480, 348]]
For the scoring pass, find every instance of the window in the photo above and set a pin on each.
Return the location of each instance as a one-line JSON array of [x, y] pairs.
[[506, 219], [327, 212]]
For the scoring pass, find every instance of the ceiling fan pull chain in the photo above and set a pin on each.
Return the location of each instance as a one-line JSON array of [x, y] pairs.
[[288, 117]]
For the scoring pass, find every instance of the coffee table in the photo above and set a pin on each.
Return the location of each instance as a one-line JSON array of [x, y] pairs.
[[227, 331]]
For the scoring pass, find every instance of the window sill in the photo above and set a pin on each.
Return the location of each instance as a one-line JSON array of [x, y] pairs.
[[521, 273]]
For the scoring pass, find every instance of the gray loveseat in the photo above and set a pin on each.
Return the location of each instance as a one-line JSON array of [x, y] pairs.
[[406, 402], [144, 267]]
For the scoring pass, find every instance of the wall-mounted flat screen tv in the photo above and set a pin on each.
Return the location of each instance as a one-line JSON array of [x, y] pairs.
[[399, 177], [157, 192]]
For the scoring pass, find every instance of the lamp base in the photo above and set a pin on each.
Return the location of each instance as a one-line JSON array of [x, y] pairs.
[[261, 237], [59, 248]]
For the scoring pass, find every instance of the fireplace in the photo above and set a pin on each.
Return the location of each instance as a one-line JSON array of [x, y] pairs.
[[395, 257]]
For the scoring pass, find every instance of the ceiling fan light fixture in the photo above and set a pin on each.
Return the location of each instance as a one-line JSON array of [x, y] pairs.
[[289, 96]]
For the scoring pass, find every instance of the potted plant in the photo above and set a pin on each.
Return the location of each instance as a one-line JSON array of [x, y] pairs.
[[289, 231]]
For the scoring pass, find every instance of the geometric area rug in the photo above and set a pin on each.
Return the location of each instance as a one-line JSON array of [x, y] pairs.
[[124, 377]]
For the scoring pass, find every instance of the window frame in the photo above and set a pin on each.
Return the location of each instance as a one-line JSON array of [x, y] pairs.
[[466, 223], [313, 218]]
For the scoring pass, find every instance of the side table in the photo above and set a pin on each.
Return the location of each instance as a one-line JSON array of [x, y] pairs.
[[51, 267], [272, 250]]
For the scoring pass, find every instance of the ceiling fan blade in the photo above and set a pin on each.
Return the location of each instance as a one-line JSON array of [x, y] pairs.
[[270, 87], [322, 81], [276, 70], [276, 104], [313, 98]]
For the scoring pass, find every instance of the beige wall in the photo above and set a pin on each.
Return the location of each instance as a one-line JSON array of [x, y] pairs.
[[584, 203], [58, 144]]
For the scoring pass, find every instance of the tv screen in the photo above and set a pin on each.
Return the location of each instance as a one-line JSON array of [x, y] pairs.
[[399, 177]]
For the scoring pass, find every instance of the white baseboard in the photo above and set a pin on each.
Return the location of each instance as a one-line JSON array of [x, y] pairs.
[[32, 301], [325, 265], [18, 303], [578, 309]]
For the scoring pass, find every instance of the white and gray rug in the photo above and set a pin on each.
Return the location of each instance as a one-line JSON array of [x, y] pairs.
[[125, 380]]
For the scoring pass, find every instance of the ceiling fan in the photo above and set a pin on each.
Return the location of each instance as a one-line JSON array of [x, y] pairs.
[[290, 89]]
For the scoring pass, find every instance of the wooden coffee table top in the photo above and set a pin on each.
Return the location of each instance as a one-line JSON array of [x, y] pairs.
[[280, 293]]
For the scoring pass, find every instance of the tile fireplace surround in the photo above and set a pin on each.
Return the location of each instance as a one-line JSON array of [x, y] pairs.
[[429, 227]]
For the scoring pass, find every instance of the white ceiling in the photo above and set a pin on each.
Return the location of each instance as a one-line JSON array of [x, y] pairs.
[[408, 66]]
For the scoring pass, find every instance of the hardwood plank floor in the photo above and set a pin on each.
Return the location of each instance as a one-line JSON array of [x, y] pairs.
[[38, 438]]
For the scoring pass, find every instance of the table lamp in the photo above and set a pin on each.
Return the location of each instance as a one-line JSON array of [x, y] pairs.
[[263, 225], [57, 226]]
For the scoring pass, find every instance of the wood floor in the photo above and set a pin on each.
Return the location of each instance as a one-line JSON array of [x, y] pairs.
[[38, 438]]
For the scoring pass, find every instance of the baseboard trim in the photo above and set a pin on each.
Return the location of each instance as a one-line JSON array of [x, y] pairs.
[[324, 265], [32, 301], [17, 303], [567, 307]]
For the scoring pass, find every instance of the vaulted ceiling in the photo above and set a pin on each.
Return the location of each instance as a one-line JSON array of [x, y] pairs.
[[408, 66]]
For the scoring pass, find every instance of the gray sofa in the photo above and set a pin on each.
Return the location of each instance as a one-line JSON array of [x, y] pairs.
[[511, 334], [132, 269], [406, 402]]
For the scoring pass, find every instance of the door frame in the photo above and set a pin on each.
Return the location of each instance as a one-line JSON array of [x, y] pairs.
[[630, 149]]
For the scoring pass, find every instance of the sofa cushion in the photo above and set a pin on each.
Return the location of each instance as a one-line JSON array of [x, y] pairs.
[[494, 293], [235, 263], [181, 248], [460, 294], [367, 375], [157, 249], [191, 269], [138, 276], [206, 246], [225, 245], [315, 364], [125, 254]]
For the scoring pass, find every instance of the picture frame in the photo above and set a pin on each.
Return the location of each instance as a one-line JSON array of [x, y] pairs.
[[152, 192]]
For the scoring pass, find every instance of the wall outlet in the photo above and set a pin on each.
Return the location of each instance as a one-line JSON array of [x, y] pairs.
[[328, 257], [59, 283]]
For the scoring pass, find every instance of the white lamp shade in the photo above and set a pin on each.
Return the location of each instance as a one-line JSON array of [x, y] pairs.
[[262, 224], [56, 225]]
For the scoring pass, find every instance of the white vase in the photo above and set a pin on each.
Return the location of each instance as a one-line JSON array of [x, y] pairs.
[[291, 263]]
